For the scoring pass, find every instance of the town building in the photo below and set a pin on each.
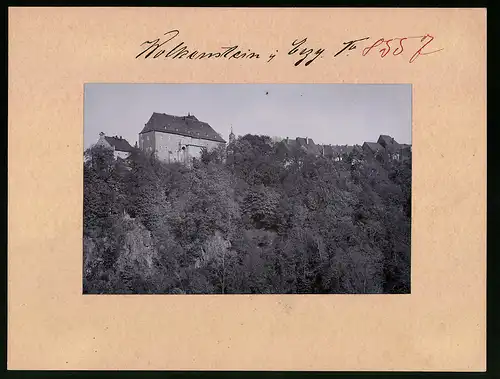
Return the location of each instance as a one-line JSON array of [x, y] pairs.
[[405, 152], [387, 147], [392, 148], [335, 152], [372, 149], [305, 144], [120, 146], [340, 152], [178, 138], [181, 138]]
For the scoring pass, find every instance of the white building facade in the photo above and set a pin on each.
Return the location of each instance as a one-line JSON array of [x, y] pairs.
[[120, 146]]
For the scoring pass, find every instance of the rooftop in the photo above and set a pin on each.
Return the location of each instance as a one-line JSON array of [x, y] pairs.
[[119, 143], [188, 126]]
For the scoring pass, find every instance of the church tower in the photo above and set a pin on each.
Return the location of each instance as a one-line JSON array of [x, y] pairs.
[[232, 138]]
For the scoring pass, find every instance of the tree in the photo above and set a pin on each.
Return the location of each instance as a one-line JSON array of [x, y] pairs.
[[102, 195], [217, 256], [259, 217]]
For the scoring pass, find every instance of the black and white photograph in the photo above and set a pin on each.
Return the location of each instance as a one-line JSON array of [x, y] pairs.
[[247, 189]]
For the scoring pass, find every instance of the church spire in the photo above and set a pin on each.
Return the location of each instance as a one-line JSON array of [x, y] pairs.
[[231, 135]]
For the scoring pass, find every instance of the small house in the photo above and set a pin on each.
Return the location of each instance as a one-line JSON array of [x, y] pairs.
[[120, 146], [392, 148]]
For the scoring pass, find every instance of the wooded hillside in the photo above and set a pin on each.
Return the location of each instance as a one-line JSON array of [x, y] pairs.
[[266, 220]]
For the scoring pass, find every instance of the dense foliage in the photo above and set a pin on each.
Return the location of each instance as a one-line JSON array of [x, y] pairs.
[[256, 219]]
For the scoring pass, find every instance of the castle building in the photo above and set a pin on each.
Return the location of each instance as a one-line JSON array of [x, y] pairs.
[[120, 146], [177, 138]]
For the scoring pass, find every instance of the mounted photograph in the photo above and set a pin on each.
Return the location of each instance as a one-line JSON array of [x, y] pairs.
[[227, 189]]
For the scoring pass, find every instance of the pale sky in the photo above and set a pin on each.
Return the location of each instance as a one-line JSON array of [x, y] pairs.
[[334, 114]]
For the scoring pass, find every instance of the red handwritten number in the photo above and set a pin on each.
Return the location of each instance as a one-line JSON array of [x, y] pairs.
[[400, 46], [419, 51], [383, 51], [366, 50]]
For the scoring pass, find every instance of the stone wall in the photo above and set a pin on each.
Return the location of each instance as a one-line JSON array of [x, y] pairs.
[[147, 142], [174, 148]]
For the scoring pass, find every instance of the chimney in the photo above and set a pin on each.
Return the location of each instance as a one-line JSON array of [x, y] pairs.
[[287, 140], [307, 141], [101, 134]]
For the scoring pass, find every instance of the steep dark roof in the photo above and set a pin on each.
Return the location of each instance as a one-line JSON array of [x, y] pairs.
[[290, 143], [307, 144], [188, 126], [120, 144], [314, 149], [388, 142], [301, 141], [385, 139], [373, 146]]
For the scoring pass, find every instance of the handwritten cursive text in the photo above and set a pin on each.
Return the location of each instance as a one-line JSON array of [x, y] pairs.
[[156, 50], [303, 52]]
